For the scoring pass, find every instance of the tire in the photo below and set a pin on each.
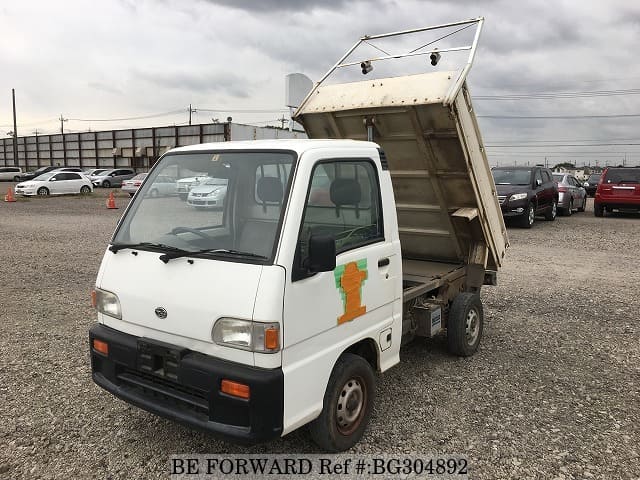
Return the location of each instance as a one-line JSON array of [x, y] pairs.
[[569, 211], [551, 214], [85, 190], [584, 204], [598, 210], [351, 387], [465, 324], [16, 178], [153, 193], [183, 196], [106, 184], [43, 191], [527, 219]]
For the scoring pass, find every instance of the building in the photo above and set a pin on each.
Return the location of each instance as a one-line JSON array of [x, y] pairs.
[[139, 148]]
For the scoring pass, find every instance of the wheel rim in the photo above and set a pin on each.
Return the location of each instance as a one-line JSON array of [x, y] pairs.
[[351, 405], [43, 192], [85, 190], [106, 184], [472, 327], [554, 210], [532, 215]]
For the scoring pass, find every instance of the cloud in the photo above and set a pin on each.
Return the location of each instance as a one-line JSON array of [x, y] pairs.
[[202, 83], [277, 6]]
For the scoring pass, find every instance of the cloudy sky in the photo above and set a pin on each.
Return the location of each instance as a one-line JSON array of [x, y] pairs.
[[93, 62]]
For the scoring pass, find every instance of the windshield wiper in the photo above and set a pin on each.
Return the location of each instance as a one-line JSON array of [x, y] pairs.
[[165, 257], [161, 246]]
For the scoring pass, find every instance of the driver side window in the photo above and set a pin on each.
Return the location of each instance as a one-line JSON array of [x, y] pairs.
[[343, 201]]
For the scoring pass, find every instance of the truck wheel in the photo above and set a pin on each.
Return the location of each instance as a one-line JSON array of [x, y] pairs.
[[552, 212], [347, 405], [465, 324]]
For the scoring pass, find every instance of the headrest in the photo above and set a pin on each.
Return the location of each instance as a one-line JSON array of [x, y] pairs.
[[345, 191], [270, 189]]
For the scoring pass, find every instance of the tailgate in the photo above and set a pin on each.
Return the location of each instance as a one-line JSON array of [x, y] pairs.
[[445, 196]]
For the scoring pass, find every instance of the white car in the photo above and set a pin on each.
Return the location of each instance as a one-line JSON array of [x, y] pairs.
[[209, 193], [10, 173], [184, 185], [56, 183]]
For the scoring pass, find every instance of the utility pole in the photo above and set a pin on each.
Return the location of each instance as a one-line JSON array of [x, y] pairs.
[[15, 131], [191, 110], [62, 120], [282, 120]]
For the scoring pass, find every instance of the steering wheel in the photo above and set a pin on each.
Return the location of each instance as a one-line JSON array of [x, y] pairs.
[[178, 230]]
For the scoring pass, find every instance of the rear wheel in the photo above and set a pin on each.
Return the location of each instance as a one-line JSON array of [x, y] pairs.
[[465, 324], [347, 405], [569, 209], [85, 190], [16, 178], [598, 210], [43, 191], [552, 213]]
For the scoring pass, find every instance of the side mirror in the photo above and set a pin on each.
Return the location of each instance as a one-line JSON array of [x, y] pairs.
[[322, 253], [585, 184], [538, 182], [52, 179]]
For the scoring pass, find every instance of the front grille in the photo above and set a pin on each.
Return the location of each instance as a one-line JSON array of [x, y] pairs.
[[186, 398]]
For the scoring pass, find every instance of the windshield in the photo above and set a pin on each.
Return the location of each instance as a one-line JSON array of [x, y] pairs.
[[512, 177], [623, 175], [240, 222], [557, 178], [593, 178], [44, 177], [102, 173]]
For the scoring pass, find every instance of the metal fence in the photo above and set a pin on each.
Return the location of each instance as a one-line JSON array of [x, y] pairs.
[[138, 148]]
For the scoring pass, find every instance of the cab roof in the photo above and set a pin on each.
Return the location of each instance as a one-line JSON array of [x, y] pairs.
[[297, 145]]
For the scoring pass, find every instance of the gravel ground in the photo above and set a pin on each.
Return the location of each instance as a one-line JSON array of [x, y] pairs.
[[552, 393]]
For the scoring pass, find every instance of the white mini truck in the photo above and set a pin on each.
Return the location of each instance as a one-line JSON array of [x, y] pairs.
[[278, 310]]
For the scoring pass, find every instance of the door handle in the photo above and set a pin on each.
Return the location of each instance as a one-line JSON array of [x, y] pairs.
[[383, 262]]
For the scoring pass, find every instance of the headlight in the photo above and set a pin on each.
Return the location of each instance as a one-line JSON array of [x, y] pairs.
[[215, 193], [518, 196], [107, 303], [247, 335]]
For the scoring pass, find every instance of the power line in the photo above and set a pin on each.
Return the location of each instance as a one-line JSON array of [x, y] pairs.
[[555, 95], [155, 115], [236, 110], [557, 117]]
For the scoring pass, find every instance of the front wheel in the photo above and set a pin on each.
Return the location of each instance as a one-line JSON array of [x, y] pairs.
[[528, 217], [584, 205], [347, 406], [85, 190], [43, 191], [16, 178], [552, 212], [465, 324], [106, 184]]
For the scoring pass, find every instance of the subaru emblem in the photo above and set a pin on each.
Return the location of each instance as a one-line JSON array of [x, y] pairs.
[[161, 312]]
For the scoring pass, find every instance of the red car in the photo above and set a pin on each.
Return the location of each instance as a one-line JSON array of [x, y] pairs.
[[618, 189]]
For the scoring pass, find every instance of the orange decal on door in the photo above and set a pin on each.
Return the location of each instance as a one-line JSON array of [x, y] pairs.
[[349, 280]]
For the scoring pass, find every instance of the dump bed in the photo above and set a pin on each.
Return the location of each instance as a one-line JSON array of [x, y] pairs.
[[445, 196]]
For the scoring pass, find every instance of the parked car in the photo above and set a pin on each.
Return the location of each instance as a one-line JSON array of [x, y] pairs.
[[184, 185], [131, 186], [619, 189], [571, 194], [10, 173], [592, 184], [209, 193], [55, 183], [524, 192], [112, 178], [36, 173], [94, 171]]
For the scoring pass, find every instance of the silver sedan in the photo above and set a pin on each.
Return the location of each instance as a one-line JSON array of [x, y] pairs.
[[572, 195]]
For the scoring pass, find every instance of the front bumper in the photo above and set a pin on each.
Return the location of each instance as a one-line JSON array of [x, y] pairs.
[[187, 390], [514, 208], [25, 191]]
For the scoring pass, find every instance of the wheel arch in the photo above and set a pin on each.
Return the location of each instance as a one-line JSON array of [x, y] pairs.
[[366, 348]]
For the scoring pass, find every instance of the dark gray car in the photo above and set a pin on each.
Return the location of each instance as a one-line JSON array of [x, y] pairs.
[[112, 178]]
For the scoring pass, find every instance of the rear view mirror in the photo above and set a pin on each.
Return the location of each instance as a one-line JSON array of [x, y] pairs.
[[322, 253]]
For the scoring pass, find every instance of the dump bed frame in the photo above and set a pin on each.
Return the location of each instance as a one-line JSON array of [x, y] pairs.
[[446, 202]]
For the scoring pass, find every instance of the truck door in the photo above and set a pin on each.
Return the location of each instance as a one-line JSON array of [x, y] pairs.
[[327, 312]]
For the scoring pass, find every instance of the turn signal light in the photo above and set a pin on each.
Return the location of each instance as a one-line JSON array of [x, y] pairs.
[[100, 346], [93, 299], [271, 339], [235, 389]]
